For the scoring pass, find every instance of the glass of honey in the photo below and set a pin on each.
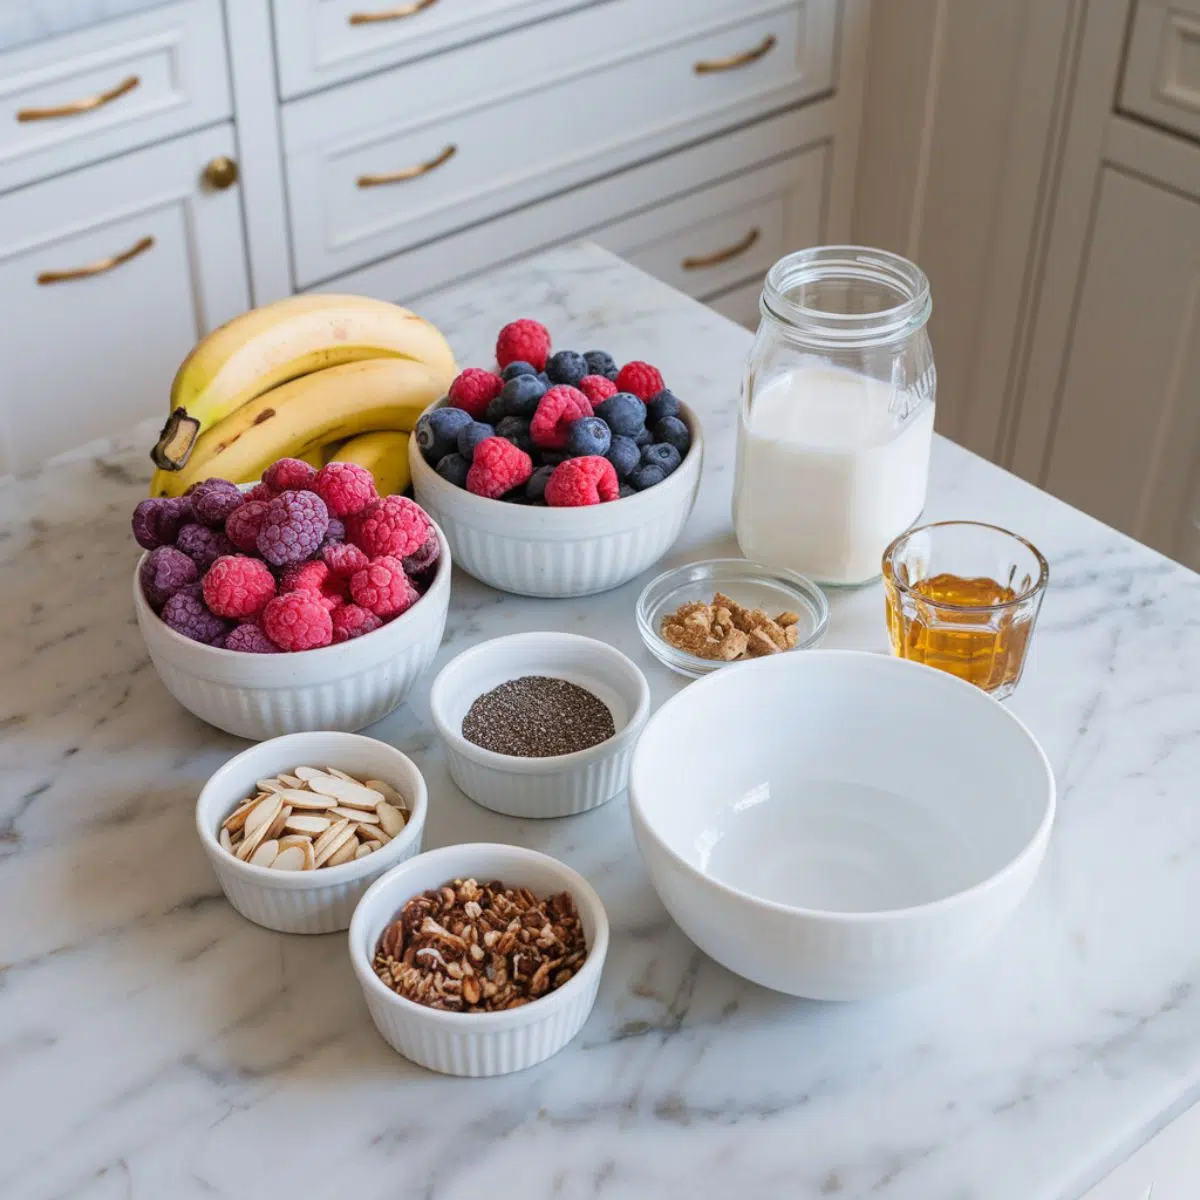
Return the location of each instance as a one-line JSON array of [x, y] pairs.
[[963, 597]]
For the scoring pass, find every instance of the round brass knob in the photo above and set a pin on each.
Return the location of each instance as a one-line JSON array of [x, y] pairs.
[[221, 173]]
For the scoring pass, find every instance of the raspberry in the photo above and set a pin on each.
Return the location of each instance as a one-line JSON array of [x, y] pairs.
[[297, 621], [260, 491], [351, 621], [314, 576], [164, 572], [597, 388], [203, 545], [289, 475], [156, 521], [243, 524], [421, 565], [343, 559], [498, 467], [474, 390], [213, 481], [187, 613], [293, 528], [237, 586], [523, 341], [214, 500], [581, 481], [249, 638], [640, 378], [394, 525], [345, 487], [555, 411], [335, 532], [383, 588]]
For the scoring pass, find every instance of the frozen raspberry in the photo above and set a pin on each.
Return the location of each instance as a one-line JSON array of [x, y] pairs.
[[156, 521], [163, 572], [314, 576], [260, 491], [352, 620], [293, 528], [237, 586], [498, 467], [425, 557], [214, 500], [555, 411], [289, 475], [212, 481], [335, 532], [394, 525], [345, 487], [580, 481], [242, 525], [640, 378], [597, 388], [203, 545], [249, 638], [297, 621], [523, 341], [187, 613], [383, 588], [474, 390], [343, 559]]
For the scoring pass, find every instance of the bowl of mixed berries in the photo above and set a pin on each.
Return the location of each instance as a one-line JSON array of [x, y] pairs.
[[307, 601], [558, 473]]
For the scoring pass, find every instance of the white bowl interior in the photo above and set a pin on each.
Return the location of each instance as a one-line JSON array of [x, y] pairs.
[[841, 782]]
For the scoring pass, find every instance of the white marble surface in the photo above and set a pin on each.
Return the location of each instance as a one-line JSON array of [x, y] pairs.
[[155, 1045], [25, 21]]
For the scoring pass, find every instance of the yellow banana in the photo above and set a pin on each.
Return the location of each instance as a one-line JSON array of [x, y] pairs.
[[296, 417], [384, 454], [313, 457], [287, 340]]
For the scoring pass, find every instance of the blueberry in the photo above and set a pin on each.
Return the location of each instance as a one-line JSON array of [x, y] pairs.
[[588, 435], [516, 430], [660, 406], [600, 362], [453, 468], [663, 456], [674, 432], [544, 378], [623, 413], [471, 435], [495, 409], [624, 456], [567, 367], [643, 437], [626, 490], [519, 397], [437, 432], [645, 477], [535, 485], [516, 368]]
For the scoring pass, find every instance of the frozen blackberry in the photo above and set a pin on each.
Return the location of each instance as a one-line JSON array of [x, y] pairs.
[[471, 435], [660, 406], [520, 396], [588, 435], [437, 432], [600, 362], [674, 432], [453, 469], [624, 456], [566, 366]]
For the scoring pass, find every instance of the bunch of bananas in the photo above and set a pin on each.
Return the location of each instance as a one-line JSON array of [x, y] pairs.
[[318, 377]]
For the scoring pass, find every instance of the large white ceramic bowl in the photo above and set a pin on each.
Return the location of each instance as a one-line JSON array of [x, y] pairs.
[[320, 901], [559, 552], [345, 687], [838, 824], [478, 1044]]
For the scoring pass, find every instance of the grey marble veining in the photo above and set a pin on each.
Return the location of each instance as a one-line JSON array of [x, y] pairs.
[[154, 1045], [26, 21]]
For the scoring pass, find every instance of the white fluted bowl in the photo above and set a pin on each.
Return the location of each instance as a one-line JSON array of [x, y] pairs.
[[344, 687], [320, 901], [478, 1044], [557, 552]]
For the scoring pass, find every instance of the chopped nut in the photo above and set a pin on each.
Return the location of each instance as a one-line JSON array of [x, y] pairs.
[[724, 631]]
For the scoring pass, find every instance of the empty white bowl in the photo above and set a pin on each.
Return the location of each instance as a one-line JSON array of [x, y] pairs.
[[839, 824], [320, 901], [560, 551], [563, 784], [478, 1044]]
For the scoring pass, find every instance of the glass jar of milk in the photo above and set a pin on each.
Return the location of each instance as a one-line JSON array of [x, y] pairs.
[[836, 415]]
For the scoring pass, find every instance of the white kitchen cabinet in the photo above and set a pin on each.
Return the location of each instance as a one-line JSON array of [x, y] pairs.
[[1165, 1168]]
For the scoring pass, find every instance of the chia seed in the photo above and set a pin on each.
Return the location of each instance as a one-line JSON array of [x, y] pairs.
[[538, 717]]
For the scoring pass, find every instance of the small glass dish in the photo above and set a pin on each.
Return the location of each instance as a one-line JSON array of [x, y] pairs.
[[750, 584]]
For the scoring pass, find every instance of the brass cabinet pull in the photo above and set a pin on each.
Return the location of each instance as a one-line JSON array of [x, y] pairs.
[[366, 181], [97, 268], [391, 14], [75, 107], [697, 262], [709, 66], [221, 172]]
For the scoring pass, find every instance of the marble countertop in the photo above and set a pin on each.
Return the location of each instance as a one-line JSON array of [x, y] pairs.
[[153, 1044], [25, 21]]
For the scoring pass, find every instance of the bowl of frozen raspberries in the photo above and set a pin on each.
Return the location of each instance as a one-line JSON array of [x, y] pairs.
[[556, 473], [307, 601]]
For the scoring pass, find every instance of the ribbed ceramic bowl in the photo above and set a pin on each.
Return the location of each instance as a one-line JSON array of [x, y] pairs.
[[320, 901], [558, 552], [564, 784], [478, 1044], [344, 687]]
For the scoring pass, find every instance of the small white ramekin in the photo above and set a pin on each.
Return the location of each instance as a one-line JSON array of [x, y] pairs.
[[320, 901], [556, 552], [562, 785], [348, 686], [478, 1044]]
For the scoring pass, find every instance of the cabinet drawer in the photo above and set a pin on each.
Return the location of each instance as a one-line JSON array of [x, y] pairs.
[[1162, 66], [108, 275], [450, 168], [91, 94]]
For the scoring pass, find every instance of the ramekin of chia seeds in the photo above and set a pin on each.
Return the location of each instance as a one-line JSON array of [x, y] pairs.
[[540, 724]]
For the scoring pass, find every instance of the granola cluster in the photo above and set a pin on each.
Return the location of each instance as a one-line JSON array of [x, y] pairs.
[[471, 947], [725, 631]]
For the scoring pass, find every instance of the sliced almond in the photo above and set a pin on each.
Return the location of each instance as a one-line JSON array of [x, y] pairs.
[[290, 780], [372, 844], [313, 824], [339, 774], [262, 814], [279, 824], [269, 785], [346, 791], [326, 853], [237, 818], [362, 815], [373, 833], [304, 845], [365, 849], [344, 854], [250, 843], [266, 853], [226, 840], [303, 798], [388, 792], [335, 830], [306, 772], [391, 819], [291, 858]]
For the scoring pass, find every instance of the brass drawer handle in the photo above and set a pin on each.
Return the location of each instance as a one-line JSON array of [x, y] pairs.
[[97, 268], [697, 262], [709, 66], [366, 181], [75, 107], [391, 14]]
